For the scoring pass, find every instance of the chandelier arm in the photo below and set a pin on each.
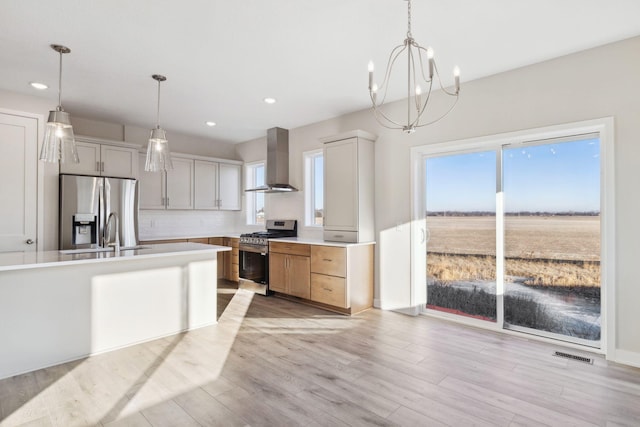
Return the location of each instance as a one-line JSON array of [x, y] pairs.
[[440, 82], [410, 85], [442, 116], [387, 76], [379, 113], [413, 85], [381, 117]]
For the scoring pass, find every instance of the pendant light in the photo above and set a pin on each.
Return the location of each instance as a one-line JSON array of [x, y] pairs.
[[158, 155], [59, 144]]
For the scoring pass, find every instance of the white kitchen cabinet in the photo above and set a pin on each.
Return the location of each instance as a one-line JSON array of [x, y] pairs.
[[179, 184], [218, 185], [230, 187], [193, 183], [206, 185], [167, 190], [104, 159], [151, 187], [349, 187]]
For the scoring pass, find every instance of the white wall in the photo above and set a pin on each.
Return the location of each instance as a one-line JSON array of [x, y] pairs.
[[596, 83]]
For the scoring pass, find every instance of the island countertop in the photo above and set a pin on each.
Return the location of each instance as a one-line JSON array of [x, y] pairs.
[[28, 260]]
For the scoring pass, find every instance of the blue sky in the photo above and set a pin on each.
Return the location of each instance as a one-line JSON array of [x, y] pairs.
[[556, 177]]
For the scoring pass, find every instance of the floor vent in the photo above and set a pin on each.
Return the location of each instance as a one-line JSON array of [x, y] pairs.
[[574, 357]]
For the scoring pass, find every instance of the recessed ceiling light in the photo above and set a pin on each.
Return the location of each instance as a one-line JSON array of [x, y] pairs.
[[270, 100], [210, 123], [39, 86]]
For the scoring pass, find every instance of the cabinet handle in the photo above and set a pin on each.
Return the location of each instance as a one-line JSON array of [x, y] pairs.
[[29, 242], [327, 259], [328, 289], [101, 166], [97, 166], [167, 202]]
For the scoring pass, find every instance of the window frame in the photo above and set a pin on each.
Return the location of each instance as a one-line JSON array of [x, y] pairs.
[[251, 196], [419, 235], [310, 187]]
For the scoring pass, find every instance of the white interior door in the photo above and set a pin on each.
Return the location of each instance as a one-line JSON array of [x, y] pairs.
[[18, 173]]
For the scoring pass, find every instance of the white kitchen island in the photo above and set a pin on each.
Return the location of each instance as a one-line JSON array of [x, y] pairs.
[[58, 307]]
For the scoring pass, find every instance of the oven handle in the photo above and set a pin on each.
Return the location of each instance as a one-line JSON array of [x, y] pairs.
[[252, 249]]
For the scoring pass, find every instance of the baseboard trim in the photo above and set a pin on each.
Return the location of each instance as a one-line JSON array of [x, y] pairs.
[[625, 357]]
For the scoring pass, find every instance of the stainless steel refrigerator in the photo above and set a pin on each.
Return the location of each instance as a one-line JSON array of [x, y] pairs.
[[86, 202]]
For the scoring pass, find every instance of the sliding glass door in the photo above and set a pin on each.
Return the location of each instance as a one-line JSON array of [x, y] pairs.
[[514, 236], [461, 219], [552, 238]]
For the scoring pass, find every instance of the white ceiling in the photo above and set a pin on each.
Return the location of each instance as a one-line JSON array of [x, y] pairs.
[[221, 58]]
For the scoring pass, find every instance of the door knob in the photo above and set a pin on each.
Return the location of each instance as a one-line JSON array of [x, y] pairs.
[[29, 242]]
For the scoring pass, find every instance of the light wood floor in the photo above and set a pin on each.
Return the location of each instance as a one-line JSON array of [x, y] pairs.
[[271, 362]]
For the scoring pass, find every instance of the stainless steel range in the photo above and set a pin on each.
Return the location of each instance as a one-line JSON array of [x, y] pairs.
[[254, 254]]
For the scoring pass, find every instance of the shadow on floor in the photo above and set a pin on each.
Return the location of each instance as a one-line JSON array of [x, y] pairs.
[[226, 290]]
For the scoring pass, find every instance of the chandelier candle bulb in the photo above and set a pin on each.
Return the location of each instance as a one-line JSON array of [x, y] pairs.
[[430, 58], [374, 92], [370, 68], [456, 75], [418, 97]]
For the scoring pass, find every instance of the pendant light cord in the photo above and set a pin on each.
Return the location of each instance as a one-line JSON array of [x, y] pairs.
[[158, 112], [60, 83]]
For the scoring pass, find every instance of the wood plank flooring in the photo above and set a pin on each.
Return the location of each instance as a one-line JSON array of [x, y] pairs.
[[271, 362]]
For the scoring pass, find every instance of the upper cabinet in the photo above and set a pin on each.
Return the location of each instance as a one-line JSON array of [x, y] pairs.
[[193, 183], [218, 185], [349, 187], [104, 158]]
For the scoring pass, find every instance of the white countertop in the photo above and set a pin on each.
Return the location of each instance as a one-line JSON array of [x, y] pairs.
[[26, 260], [311, 241], [151, 239]]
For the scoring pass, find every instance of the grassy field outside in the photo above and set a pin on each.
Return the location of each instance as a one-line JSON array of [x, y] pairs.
[[559, 251], [557, 254], [548, 237]]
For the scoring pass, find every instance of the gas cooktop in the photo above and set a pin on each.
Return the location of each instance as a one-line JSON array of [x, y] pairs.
[[275, 229]]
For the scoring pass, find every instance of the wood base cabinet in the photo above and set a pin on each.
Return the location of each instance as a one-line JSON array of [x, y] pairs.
[[338, 278], [290, 269], [342, 276], [228, 262]]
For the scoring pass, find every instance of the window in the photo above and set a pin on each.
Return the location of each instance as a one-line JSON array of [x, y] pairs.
[[314, 188], [255, 200]]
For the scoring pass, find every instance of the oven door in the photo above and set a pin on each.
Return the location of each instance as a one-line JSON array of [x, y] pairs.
[[254, 269]]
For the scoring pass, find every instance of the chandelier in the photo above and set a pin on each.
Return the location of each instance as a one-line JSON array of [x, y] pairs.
[[417, 74], [158, 155]]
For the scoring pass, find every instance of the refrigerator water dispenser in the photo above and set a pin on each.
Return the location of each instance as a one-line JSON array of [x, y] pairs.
[[85, 229]]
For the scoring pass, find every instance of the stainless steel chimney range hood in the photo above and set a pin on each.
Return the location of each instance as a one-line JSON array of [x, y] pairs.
[[277, 167]]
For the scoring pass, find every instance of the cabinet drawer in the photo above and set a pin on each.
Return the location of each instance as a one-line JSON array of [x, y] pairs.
[[329, 260], [328, 290], [290, 248], [216, 241], [340, 236]]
